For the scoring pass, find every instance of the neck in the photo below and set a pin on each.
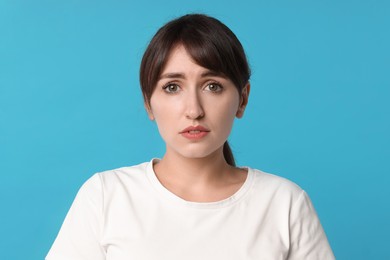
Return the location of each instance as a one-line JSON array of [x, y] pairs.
[[192, 170], [199, 179]]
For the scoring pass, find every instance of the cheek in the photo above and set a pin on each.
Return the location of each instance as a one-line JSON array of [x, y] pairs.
[[164, 115], [164, 126], [227, 120], [224, 113]]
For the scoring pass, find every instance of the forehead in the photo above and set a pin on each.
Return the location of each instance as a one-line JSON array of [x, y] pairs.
[[181, 63], [179, 57]]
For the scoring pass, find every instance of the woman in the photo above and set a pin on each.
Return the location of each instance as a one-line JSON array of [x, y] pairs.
[[194, 203]]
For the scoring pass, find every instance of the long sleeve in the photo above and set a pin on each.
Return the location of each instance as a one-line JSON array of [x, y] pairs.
[[80, 235], [307, 237]]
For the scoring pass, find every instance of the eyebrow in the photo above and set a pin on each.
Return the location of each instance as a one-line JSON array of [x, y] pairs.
[[178, 75]]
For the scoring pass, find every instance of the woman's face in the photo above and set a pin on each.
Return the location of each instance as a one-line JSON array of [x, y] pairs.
[[194, 107]]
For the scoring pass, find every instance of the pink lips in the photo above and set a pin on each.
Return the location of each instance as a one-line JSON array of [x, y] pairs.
[[194, 132]]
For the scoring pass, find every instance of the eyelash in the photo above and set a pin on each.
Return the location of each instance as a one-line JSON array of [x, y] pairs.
[[166, 87], [215, 83]]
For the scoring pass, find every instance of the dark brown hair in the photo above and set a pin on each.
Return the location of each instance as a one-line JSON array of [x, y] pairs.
[[209, 42]]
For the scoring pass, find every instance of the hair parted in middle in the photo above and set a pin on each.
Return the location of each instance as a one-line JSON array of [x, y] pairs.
[[209, 42]]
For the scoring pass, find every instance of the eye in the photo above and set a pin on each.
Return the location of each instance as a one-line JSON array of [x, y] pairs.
[[214, 87], [171, 88]]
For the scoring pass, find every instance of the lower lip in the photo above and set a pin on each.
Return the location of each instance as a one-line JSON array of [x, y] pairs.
[[194, 136]]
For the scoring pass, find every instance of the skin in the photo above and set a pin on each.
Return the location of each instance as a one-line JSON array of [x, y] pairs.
[[190, 95]]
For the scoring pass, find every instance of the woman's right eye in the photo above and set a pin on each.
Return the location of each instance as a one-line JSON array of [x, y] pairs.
[[171, 88]]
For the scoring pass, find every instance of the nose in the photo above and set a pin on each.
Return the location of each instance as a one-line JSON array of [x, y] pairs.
[[194, 108]]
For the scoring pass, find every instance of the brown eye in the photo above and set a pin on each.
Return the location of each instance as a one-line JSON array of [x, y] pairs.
[[171, 88], [214, 87]]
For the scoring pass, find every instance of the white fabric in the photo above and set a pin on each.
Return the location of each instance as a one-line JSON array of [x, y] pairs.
[[127, 214]]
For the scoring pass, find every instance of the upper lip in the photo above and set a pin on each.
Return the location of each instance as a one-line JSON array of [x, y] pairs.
[[195, 128]]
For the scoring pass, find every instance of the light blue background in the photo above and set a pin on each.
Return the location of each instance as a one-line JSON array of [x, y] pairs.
[[70, 105]]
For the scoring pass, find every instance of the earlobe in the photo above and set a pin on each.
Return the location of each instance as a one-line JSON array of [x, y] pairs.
[[151, 117], [243, 100], [149, 111]]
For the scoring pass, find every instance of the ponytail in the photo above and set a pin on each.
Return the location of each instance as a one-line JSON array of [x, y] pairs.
[[228, 154]]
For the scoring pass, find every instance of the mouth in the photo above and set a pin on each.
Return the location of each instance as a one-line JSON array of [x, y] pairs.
[[194, 132], [194, 129]]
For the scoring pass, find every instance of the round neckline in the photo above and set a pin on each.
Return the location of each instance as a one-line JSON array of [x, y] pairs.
[[200, 205]]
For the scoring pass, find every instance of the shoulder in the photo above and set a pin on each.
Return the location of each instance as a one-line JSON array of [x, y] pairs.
[[274, 181], [275, 188], [110, 180], [128, 172], [287, 208]]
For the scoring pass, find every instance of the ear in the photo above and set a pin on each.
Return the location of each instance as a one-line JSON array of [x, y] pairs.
[[149, 111], [243, 100]]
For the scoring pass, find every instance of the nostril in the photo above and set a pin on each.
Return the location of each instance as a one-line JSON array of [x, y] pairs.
[[195, 115]]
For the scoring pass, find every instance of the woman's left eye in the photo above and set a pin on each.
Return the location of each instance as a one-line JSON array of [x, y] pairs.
[[214, 87]]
